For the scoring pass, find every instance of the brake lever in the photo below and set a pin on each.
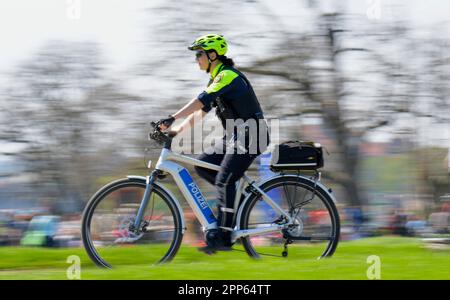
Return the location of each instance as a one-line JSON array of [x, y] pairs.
[[155, 125]]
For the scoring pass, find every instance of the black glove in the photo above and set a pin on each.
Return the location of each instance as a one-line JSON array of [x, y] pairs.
[[167, 122]]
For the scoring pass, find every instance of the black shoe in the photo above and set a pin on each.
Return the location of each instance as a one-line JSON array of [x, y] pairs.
[[213, 250], [216, 241]]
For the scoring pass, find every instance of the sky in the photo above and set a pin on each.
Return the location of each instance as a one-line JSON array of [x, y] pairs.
[[25, 25], [116, 24]]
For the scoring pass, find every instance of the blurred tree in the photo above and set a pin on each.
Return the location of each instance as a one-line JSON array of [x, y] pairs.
[[340, 72], [434, 172], [359, 76], [48, 110], [74, 122]]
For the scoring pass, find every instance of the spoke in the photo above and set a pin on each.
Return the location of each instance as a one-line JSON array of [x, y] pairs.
[[304, 202], [150, 218], [290, 205]]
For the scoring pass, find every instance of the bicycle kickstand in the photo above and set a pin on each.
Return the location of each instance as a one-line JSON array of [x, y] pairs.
[[285, 251]]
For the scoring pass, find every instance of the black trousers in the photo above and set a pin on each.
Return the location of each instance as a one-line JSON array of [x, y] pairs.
[[233, 166]]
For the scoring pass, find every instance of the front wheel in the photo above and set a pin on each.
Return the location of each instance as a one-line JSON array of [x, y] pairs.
[[314, 232], [107, 225]]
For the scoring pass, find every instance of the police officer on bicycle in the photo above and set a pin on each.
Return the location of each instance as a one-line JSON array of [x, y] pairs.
[[238, 109]]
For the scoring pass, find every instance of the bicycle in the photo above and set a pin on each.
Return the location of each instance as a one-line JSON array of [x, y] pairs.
[[138, 217]]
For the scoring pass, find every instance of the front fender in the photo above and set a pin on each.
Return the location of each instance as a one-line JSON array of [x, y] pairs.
[[162, 187]]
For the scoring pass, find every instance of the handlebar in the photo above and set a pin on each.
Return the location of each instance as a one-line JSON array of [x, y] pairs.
[[159, 136]]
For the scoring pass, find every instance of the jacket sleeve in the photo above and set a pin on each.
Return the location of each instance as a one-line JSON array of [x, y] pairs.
[[222, 84]]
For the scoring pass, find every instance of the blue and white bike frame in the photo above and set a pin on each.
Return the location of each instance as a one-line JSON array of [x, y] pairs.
[[191, 192]]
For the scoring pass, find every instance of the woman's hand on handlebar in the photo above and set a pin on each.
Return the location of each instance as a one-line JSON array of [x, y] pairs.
[[159, 130], [163, 124]]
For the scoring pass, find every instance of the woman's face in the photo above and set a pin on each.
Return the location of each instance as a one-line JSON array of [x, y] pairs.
[[202, 59]]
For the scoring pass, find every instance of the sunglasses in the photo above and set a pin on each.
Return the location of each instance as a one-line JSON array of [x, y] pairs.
[[199, 54]]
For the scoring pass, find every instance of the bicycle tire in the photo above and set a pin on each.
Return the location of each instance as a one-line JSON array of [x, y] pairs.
[[126, 183], [304, 183]]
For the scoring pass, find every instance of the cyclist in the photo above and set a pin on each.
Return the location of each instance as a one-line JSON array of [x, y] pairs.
[[232, 95]]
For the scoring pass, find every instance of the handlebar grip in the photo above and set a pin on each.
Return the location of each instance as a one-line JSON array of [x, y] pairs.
[[160, 136]]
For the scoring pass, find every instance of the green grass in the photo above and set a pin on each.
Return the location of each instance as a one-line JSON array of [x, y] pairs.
[[401, 258]]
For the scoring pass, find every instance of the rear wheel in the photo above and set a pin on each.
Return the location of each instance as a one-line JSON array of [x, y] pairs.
[[315, 232], [107, 232]]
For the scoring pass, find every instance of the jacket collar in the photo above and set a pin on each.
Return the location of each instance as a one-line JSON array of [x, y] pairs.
[[216, 70]]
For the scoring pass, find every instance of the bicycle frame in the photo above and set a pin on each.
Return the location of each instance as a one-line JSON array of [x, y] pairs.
[[192, 193]]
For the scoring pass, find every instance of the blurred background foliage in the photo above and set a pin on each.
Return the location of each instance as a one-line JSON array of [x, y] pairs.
[[373, 91]]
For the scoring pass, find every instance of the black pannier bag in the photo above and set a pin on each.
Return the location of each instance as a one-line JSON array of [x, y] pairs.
[[297, 155]]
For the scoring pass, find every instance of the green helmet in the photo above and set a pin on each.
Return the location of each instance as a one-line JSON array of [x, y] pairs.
[[210, 42]]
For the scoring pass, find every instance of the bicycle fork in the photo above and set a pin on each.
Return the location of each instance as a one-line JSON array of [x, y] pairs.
[[136, 227]]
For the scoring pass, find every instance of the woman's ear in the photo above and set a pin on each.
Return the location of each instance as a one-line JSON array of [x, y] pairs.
[[212, 55]]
